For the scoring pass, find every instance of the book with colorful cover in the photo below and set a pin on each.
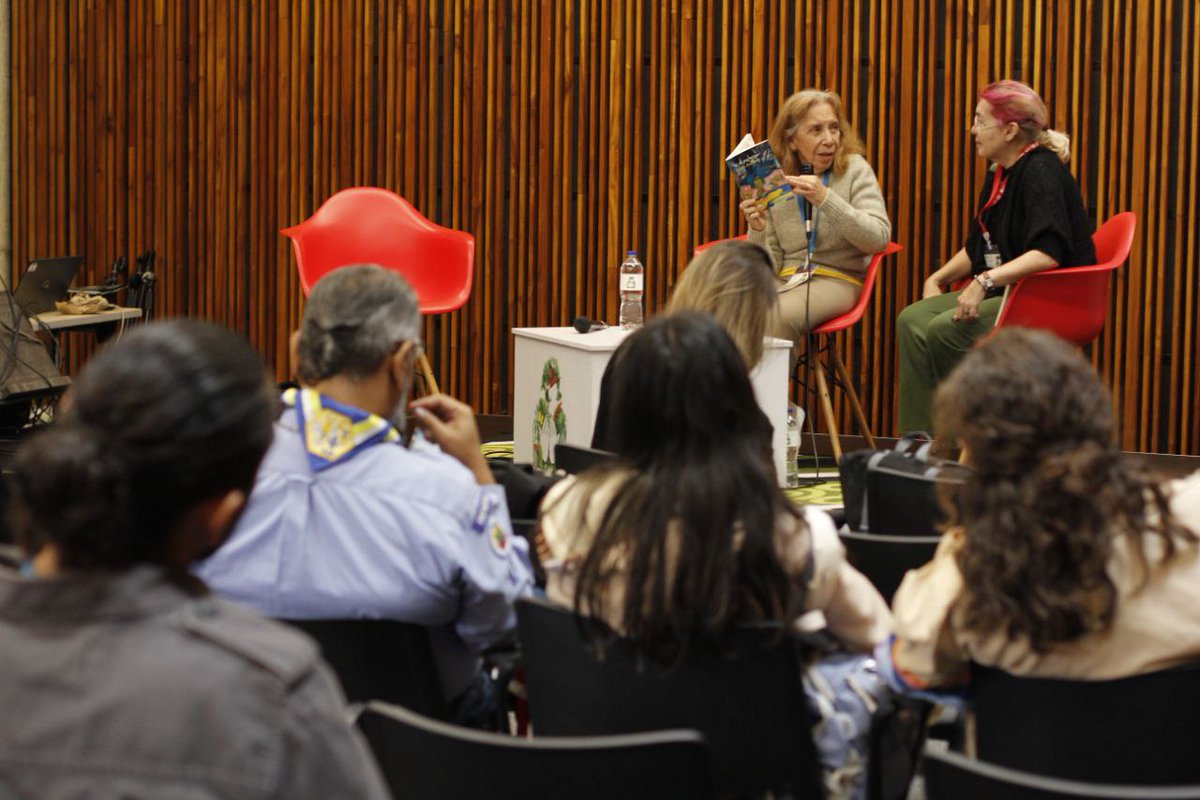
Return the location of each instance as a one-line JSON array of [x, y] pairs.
[[758, 172]]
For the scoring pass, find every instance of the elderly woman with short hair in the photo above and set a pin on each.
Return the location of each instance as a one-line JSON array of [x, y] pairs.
[[821, 245]]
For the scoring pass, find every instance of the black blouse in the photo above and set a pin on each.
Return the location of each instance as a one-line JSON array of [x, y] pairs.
[[1041, 209]]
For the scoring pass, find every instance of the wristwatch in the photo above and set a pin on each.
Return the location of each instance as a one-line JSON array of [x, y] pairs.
[[984, 279]]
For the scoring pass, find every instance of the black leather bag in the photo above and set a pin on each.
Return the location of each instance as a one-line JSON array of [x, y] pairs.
[[894, 492]]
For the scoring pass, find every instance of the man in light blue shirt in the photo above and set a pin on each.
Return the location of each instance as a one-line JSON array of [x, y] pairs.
[[346, 522]]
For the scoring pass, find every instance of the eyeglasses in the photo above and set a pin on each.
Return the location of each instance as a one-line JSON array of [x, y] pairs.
[[976, 127]]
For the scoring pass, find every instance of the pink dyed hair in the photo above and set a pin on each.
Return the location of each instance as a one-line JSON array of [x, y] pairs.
[[1013, 101]]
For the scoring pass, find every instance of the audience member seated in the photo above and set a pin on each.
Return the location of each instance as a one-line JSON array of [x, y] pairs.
[[686, 533], [121, 675], [733, 281], [1063, 559], [346, 522], [1031, 218]]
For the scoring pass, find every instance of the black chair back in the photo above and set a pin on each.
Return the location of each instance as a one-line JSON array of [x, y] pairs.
[[886, 559], [380, 659], [526, 528], [950, 776], [573, 459], [423, 759], [1139, 730], [749, 703]]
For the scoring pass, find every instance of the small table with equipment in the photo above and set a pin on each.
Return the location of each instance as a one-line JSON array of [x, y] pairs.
[[103, 323]]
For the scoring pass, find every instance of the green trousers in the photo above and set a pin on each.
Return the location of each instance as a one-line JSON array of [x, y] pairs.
[[930, 344]]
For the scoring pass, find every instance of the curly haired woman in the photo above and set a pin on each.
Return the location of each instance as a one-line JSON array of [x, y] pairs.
[[1064, 559]]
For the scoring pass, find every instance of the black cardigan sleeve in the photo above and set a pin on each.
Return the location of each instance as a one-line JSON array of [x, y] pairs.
[[1042, 218]]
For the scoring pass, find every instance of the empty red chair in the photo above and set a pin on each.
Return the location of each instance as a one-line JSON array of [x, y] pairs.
[[1072, 302], [366, 225]]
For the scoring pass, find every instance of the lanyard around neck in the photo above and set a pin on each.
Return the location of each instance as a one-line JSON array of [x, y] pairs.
[[811, 230], [999, 184]]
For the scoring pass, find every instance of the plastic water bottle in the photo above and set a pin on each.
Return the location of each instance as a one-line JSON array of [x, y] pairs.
[[793, 446], [631, 286]]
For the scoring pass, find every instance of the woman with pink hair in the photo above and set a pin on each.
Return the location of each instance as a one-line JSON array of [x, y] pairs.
[[1031, 218]]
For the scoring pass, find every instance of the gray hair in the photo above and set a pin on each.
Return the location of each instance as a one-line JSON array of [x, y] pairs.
[[355, 318]]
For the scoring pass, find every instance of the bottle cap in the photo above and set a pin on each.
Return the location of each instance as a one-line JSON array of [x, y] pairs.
[[631, 252]]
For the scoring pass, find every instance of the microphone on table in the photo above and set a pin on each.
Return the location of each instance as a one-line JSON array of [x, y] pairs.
[[585, 325]]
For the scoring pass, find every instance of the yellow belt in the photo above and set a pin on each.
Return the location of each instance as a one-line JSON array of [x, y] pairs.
[[824, 272]]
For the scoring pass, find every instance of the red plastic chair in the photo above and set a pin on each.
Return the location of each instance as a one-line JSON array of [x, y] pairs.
[[700, 248], [1072, 302], [366, 225], [826, 344]]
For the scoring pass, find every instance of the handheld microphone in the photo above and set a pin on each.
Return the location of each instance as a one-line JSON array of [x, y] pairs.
[[585, 325], [807, 169]]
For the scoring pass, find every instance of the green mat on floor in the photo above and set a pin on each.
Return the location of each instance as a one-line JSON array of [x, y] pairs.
[[828, 493]]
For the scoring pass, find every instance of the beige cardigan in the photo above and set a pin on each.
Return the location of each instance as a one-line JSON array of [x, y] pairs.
[[851, 224], [1156, 624], [838, 597]]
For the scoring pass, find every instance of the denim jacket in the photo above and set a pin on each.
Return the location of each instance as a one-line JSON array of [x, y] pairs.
[[140, 685]]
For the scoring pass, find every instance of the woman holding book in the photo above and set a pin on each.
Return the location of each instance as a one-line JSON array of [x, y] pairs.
[[821, 238], [1031, 218]]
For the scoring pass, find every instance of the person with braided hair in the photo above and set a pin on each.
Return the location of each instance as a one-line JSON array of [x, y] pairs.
[[1062, 559], [121, 674]]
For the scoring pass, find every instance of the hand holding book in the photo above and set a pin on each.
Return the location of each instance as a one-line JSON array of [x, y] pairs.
[[761, 182], [754, 212]]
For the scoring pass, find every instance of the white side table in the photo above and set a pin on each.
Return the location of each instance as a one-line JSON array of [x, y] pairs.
[[556, 393], [556, 390]]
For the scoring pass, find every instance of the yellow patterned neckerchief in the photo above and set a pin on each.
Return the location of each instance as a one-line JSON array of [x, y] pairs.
[[333, 432]]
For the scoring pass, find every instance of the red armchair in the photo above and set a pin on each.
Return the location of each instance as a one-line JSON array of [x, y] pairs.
[[366, 225], [1072, 302]]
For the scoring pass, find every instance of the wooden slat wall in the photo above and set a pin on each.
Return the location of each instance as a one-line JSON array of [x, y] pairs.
[[561, 132]]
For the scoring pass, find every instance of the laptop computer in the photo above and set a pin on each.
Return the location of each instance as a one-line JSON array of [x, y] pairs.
[[26, 370], [45, 281]]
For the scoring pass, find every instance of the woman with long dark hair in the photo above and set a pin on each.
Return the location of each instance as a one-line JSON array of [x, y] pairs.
[[686, 533], [121, 674], [1063, 558]]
